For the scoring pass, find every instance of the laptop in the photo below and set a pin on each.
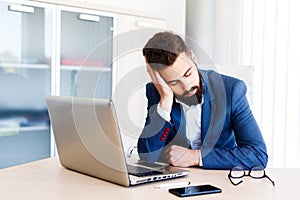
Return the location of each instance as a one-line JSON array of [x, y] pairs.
[[88, 141]]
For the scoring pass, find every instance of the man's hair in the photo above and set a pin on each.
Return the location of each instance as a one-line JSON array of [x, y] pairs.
[[163, 49]]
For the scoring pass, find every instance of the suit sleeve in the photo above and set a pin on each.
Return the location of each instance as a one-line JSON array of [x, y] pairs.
[[156, 130], [250, 149]]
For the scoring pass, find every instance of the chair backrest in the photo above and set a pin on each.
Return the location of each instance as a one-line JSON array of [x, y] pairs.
[[243, 72]]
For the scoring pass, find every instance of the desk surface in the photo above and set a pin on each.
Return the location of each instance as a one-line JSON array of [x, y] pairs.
[[47, 179]]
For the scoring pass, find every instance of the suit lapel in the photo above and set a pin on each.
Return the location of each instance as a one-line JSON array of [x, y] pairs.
[[214, 110], [206, 114], [180, 125], [208, 105]]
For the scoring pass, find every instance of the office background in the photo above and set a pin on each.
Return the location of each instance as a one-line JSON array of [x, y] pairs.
[[44, 55]]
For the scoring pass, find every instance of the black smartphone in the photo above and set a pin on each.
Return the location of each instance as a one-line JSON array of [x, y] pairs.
[[195, 190]]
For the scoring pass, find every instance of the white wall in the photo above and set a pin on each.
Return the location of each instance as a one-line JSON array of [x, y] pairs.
[[200, 25], [173, 11]]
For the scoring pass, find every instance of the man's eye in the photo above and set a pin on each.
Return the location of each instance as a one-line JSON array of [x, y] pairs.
[[173, 83], [188, 74]]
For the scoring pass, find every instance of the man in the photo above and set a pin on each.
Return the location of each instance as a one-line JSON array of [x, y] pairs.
[[196, 117]]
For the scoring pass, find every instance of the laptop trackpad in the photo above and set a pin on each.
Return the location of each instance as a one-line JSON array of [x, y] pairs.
[[150, 164]]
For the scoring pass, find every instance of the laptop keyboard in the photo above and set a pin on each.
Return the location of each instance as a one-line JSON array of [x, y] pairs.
[[141, 171]]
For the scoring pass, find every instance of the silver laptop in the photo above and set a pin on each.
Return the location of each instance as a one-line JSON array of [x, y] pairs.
[[88, 140]]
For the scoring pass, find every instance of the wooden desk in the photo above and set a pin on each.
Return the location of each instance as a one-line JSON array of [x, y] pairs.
[[47, 179]]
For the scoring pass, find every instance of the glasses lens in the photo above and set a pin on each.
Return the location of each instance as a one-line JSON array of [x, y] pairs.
[[237, 172], [257, 172]]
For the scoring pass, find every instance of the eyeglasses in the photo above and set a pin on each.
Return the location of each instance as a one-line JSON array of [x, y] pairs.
[[237, 172]]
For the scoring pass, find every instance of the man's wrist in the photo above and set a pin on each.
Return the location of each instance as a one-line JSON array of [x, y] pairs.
[[166, 104], [196, 160], [163, 113]]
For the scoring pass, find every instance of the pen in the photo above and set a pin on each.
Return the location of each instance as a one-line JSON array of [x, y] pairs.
[[173, 185]]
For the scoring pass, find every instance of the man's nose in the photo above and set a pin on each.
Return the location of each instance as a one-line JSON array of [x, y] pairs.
[[185, 85]]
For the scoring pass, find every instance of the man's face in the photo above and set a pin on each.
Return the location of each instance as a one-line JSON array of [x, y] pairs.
[[183, 78]]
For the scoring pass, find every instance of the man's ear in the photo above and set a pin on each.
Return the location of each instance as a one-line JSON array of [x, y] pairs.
[[193, 56]]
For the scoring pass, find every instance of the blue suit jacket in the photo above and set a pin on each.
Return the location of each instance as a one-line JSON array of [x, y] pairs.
[[229, 133]]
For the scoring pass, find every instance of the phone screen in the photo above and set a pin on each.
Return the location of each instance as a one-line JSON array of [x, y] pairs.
[[195, 190]]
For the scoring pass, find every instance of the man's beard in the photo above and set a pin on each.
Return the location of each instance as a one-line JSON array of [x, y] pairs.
[[193, 100]]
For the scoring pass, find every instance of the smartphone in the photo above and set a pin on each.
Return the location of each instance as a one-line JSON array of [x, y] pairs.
[[194, 190]]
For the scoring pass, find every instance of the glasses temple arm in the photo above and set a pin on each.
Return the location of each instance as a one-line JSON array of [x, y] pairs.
[[235, 184], [270, 179]]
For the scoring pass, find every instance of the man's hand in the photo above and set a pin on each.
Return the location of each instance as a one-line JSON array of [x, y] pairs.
[[182, 157], [165, 92]]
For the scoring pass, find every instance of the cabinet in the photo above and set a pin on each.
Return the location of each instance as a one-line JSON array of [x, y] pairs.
[[47, 49], [25, 68], [86, 52]]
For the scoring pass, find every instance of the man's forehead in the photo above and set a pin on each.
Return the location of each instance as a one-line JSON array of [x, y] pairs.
[[181, 65], [176, 71]]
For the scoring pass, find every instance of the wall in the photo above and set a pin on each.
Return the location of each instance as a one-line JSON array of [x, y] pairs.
[[200, 26]]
